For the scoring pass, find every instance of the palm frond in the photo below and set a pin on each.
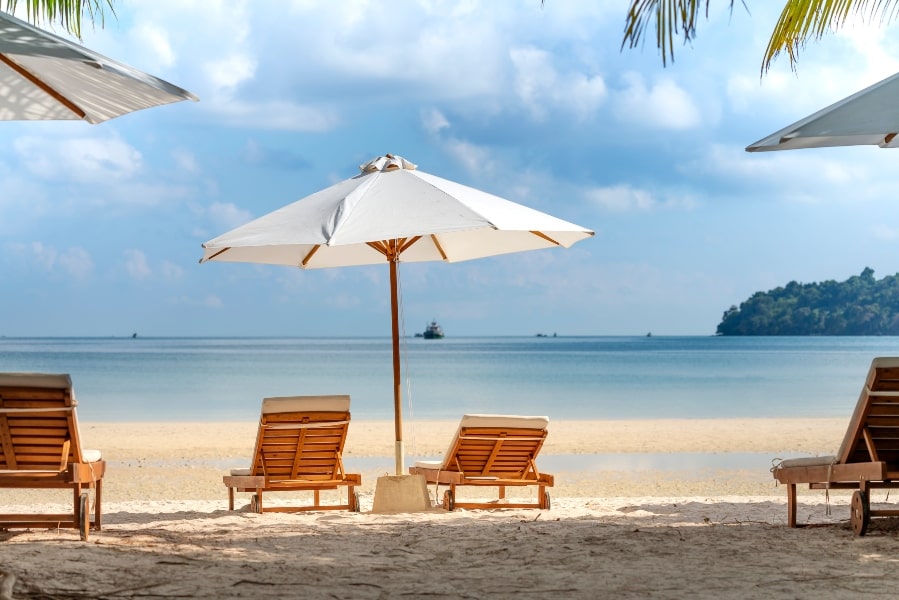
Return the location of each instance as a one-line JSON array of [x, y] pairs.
[[802, 20], [671, 18], [67, 13]]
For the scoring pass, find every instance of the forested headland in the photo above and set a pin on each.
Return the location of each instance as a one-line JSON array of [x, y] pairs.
[[861, 305]]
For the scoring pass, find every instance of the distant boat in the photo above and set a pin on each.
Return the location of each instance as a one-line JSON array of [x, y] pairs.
[[432, 332]]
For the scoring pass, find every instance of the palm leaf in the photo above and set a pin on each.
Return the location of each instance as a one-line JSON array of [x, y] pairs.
[[66, 13], [802, 20], [671, 18]]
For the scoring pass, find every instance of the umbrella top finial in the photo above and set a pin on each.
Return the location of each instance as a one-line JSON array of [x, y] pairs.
[[388, 162]]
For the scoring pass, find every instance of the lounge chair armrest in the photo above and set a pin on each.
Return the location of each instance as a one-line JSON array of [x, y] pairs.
[[832, 473]]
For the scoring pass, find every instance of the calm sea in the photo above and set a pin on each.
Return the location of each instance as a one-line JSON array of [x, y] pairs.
[[123, 379]]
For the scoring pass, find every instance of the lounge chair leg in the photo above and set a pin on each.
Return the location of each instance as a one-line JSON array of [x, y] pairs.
[[791, 504], [502, 492], [77, 510], [259, 500], [230, 498], [98, 513], [316, 498], [84, 521]]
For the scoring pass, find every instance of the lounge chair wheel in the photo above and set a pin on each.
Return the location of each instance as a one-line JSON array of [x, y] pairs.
[[859, 513], [84, 520], [357, 505], [546, 502], [449, 502]]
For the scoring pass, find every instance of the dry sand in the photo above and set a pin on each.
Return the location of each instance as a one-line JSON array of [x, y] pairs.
[[624, 533]]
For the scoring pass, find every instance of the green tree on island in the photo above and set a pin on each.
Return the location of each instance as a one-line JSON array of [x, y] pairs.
[[861, 305]]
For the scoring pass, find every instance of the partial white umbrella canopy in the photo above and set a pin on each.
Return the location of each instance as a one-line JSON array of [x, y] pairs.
[[869, 117], [45, 77], [392, 212]]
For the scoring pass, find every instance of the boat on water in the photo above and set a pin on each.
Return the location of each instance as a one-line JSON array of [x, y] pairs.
[[433, 331]]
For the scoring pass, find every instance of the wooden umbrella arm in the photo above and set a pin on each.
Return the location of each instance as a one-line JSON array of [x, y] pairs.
[[43, 86]]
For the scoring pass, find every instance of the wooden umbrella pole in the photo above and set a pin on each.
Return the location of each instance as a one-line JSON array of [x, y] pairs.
[[397, 385]]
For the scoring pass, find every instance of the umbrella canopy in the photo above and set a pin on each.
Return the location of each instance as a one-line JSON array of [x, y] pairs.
[[868, 117], [44, 77], [392, 212]]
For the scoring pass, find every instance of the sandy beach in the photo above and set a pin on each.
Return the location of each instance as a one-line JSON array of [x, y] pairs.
[[612, 531]]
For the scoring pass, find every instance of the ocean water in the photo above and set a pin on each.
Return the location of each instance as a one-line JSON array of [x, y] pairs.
[[172, 379]]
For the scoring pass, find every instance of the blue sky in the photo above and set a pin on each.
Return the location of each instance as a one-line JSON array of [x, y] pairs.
[[101, 226]]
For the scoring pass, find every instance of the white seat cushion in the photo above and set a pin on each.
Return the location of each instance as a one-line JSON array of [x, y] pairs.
[[428, 464], [809, 461], [240, 472], [288, 404], [91, 455]]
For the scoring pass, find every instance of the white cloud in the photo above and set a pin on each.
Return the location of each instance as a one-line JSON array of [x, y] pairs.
[[227, 214], [434, 121], [541, 88], [664, 104], [170, 270], [90, 160], [155, 41], [212, 301], [136, 265], [186, 160], [625, 198], [277, 116], [474, 159], [228, 73], [884, 232], [810, 175], [208, 301], [74, 261], [41, 255]]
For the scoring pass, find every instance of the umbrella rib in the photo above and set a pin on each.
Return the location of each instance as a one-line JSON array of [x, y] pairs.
[[43, 86], [223, 250], [309, 256], [540, 234], [379, 246], [404, 245], [438, 246]]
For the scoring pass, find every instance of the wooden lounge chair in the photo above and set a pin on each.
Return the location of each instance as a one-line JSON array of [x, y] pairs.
[[491, 450], [299, 447], [40, 447], [868, 457]]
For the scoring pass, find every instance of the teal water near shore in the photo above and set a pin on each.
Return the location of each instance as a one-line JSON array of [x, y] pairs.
[[183, 379]]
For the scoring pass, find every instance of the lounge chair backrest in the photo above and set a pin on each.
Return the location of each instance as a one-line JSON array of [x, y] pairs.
[[38, 427], [475, 446], [301, 437], [873, 432]]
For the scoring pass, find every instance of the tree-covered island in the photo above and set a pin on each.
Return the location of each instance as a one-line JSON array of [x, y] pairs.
[[861, 305]]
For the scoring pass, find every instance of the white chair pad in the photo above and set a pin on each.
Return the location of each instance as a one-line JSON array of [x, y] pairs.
[[809, 461]]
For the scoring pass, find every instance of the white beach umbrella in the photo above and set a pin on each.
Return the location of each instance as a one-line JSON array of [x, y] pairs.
[[868, 117], [392, 213], [44, 77]]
